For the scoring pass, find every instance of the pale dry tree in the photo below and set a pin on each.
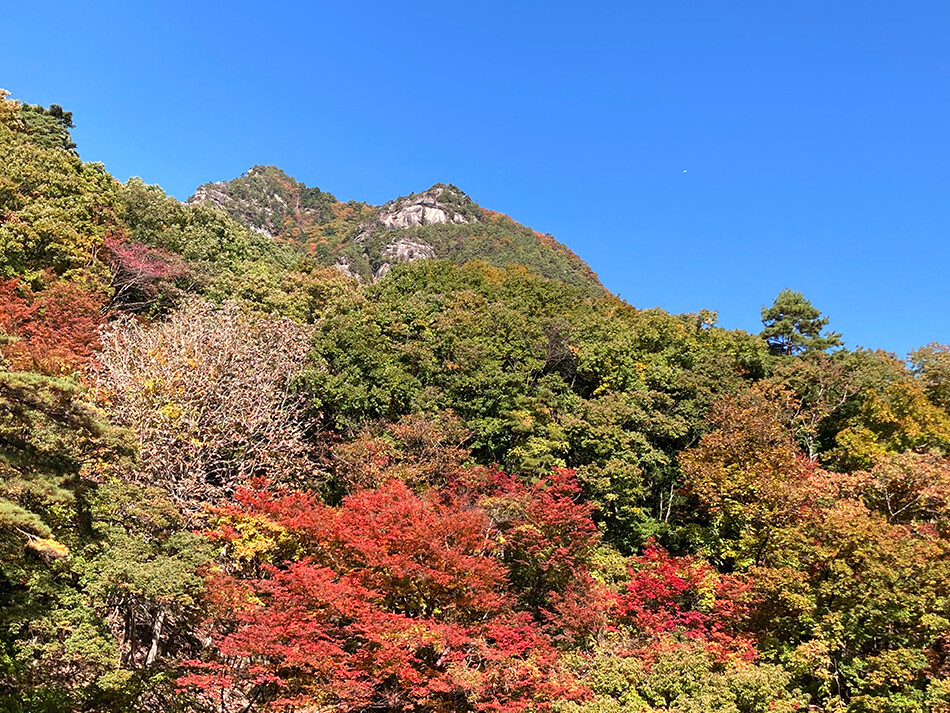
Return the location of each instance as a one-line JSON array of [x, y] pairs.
[[208, 392]]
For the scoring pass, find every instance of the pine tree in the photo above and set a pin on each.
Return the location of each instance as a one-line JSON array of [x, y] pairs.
[[793, 325]]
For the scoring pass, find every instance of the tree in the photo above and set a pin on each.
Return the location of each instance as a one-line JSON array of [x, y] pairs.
[[208, 393], [749, 477], [53, 446], [142, 276], [49, 127], [793, 325], [52, 331], [391, 602], [932, 365], [818, 390]]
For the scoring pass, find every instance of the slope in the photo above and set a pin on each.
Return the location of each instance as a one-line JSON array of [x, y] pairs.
[[366, 241]]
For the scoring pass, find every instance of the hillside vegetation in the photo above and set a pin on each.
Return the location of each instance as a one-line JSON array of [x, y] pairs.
[[366, 241], [267, 451]]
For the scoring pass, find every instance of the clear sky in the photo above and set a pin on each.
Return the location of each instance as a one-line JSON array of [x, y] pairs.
[[696, 154]]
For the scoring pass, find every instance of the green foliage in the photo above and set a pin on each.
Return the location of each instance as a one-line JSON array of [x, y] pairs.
[[681, 677], [56, 209], [793, 325], [892, 412], [48, 128], [806, 501], [204, 235], [52, 444], [541, 375], [47, 436], [218, 257], [300, 292], [99, 585], [932, 364]]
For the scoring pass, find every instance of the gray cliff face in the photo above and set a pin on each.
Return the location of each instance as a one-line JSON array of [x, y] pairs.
[[402, 250], [422, 209], [214, 193], [430, 207], [258, 218], [406, 250]]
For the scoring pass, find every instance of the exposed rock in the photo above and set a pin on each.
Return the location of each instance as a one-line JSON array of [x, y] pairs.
[[261, 230], [421, 209], [406, 250], [214, 193], [414, 215], [343, 266], [402, 250]]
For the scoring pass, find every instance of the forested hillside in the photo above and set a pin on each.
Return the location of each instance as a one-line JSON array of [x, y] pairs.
[[267, 451], [365, 241]]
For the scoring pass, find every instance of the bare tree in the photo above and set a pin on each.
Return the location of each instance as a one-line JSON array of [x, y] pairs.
[[208, 392]]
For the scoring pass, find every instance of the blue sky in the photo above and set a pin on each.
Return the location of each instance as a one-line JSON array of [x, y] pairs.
[[696, 154]]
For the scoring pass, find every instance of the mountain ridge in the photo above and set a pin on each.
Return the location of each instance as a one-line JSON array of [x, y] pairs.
[[365, 240]]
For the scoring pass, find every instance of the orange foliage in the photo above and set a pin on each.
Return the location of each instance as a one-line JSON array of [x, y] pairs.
[[53, 331]]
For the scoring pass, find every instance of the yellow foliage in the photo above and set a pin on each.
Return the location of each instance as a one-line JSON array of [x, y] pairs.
[[9, 111], [48, 547], [260, 537], [859, 448], [171, 411], [813, 657]]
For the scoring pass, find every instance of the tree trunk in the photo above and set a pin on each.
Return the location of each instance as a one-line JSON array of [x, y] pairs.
[[156, 637]]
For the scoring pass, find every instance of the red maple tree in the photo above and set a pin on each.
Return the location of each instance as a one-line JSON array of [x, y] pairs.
[[53, 331], [393, 600]]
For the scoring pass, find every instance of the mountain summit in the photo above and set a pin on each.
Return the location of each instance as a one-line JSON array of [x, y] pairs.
[[365, 241]]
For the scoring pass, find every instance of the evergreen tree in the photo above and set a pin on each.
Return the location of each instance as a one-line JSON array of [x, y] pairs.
[[793, 325]]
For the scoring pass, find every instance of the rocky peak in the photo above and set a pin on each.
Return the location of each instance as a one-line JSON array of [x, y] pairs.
[[366, 241], [440, 204], [267, 200], [213, 193]]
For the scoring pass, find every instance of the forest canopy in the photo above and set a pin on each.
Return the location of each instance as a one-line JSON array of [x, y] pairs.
[[246, 469]]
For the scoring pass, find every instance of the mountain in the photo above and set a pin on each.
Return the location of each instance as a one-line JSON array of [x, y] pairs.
[[365, 241], [234, 479]]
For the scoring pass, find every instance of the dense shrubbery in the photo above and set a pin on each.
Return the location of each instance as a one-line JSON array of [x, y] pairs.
[[234, 479]]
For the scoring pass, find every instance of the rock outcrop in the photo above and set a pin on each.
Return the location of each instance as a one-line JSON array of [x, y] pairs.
[[213, 193], [343, 266], [268, 201], [425, 209], [402, 250], [366, 241]]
